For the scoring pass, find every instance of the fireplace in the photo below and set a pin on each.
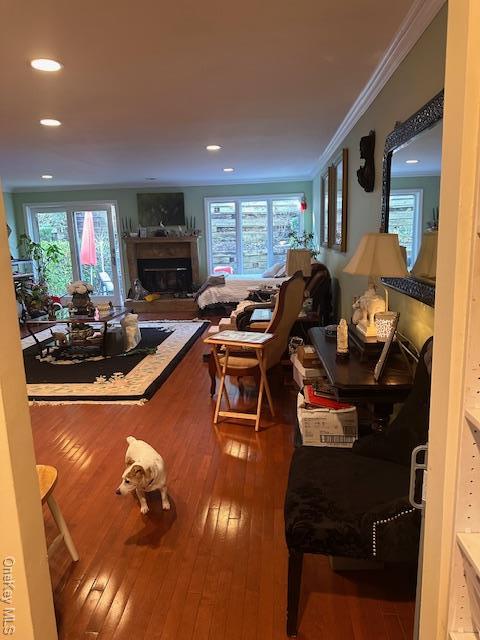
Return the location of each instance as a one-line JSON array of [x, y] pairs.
[[166, 265], [165, 275]]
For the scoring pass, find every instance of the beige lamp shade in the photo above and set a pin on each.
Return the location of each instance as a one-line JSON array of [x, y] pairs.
[[426, 263], [299, 260], [378, 254]]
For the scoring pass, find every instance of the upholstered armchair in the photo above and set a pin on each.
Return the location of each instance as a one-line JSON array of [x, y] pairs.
[[288, 305], [354, 503], [318, 287]]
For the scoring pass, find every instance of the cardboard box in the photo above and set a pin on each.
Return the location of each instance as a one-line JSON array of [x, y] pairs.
[[325, 427], [303, 375], [308, 356]]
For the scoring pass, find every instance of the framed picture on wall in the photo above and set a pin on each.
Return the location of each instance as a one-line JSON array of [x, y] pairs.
[[325, 206], [340, 204]]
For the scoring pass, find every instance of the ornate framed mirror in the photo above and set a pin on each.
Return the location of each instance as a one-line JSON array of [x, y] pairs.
[[410, 196]]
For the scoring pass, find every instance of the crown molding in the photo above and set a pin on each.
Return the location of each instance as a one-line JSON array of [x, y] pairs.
[[418, 18], [155, 186], [412, 176]]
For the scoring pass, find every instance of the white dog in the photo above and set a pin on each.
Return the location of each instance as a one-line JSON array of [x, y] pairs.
[[144, 472]]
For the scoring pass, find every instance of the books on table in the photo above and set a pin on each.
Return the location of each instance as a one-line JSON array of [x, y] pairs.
[[318, 400]]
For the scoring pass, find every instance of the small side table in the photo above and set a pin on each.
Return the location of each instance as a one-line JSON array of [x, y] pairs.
[[253, 342], [353, 378]]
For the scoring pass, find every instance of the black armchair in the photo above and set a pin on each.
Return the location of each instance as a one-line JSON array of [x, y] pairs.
[[354, 502]]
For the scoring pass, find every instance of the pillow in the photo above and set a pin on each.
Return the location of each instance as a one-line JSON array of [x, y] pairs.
[[282, 272], [272, 271], [131, 331]]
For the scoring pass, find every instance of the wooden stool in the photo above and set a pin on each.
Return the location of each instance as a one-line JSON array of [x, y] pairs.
[[47, 479]]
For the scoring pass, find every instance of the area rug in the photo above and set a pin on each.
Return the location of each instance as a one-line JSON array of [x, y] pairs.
[[127, 378]]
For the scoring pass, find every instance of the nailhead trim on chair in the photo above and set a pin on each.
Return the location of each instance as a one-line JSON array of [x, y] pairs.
[[384, 521]]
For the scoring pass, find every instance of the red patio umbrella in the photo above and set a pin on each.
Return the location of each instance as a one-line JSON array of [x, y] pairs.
[[88, 252]]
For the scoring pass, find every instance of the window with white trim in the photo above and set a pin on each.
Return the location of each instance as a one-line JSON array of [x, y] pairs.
[[248, 234], [405, 219]]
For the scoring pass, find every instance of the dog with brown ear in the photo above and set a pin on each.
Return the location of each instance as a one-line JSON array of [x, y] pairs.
[[144, 472]]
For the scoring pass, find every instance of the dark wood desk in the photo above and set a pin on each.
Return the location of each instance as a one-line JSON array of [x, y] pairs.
[[353, 379]]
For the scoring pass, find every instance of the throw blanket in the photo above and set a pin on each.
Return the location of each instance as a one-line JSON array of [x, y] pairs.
[[235, 289], [211, 281]]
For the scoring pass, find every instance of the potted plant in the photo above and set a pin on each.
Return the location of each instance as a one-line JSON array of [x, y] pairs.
[[303, 240], [45, 255]]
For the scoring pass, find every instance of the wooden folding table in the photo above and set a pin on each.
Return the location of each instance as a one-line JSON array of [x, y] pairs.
[[252, 343]]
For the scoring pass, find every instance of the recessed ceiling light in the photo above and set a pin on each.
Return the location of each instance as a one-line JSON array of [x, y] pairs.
[[411, 161], [46, 64], [47, 176], [213, 147], [50, 122], [229, 169]]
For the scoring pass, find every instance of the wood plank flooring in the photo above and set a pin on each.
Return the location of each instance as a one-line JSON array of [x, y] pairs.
[[214, 567]]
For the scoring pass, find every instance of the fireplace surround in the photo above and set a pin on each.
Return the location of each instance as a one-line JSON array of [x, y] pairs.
[[165, 252], [165, 265]]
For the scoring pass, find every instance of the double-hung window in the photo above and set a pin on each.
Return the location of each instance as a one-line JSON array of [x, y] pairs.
[[246, 235], [405, 218]]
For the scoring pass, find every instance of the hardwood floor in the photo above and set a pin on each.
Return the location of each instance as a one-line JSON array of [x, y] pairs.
[[214, 567]]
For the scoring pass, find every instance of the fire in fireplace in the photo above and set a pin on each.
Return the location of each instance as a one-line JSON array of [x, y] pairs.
[[165, 275]]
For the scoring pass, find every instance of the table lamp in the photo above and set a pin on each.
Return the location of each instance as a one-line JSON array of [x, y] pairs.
[[426, 264], [377, 254], [299, 260]]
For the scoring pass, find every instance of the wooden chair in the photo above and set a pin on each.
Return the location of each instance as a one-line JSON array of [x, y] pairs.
[[47, 479], [246, 363]]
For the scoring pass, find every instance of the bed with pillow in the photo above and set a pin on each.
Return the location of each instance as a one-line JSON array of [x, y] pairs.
[[237, 287]]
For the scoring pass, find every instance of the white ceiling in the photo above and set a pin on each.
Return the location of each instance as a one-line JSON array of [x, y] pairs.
[[426, 148], [147, 84]]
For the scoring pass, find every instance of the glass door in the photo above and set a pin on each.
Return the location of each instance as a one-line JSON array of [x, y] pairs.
[[52, 228], [223, 237], [89, 248], [255, 238], [95, 252]]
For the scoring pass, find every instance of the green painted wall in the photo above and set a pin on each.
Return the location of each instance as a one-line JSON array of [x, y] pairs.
[[417, 79], [430, 185], [10, 216], [194, 202]]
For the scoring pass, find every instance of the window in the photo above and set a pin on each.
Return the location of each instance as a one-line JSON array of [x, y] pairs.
[[87, 237], [247, 235], [405, 218]]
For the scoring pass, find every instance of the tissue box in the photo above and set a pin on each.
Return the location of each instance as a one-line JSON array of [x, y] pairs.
[[327, 427]]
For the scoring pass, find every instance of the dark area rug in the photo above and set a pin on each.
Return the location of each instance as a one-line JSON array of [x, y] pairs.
[[132, 377], [39, 372]]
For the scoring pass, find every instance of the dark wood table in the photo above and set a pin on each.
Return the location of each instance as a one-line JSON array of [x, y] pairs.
[[353, 381], [63, 316]]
